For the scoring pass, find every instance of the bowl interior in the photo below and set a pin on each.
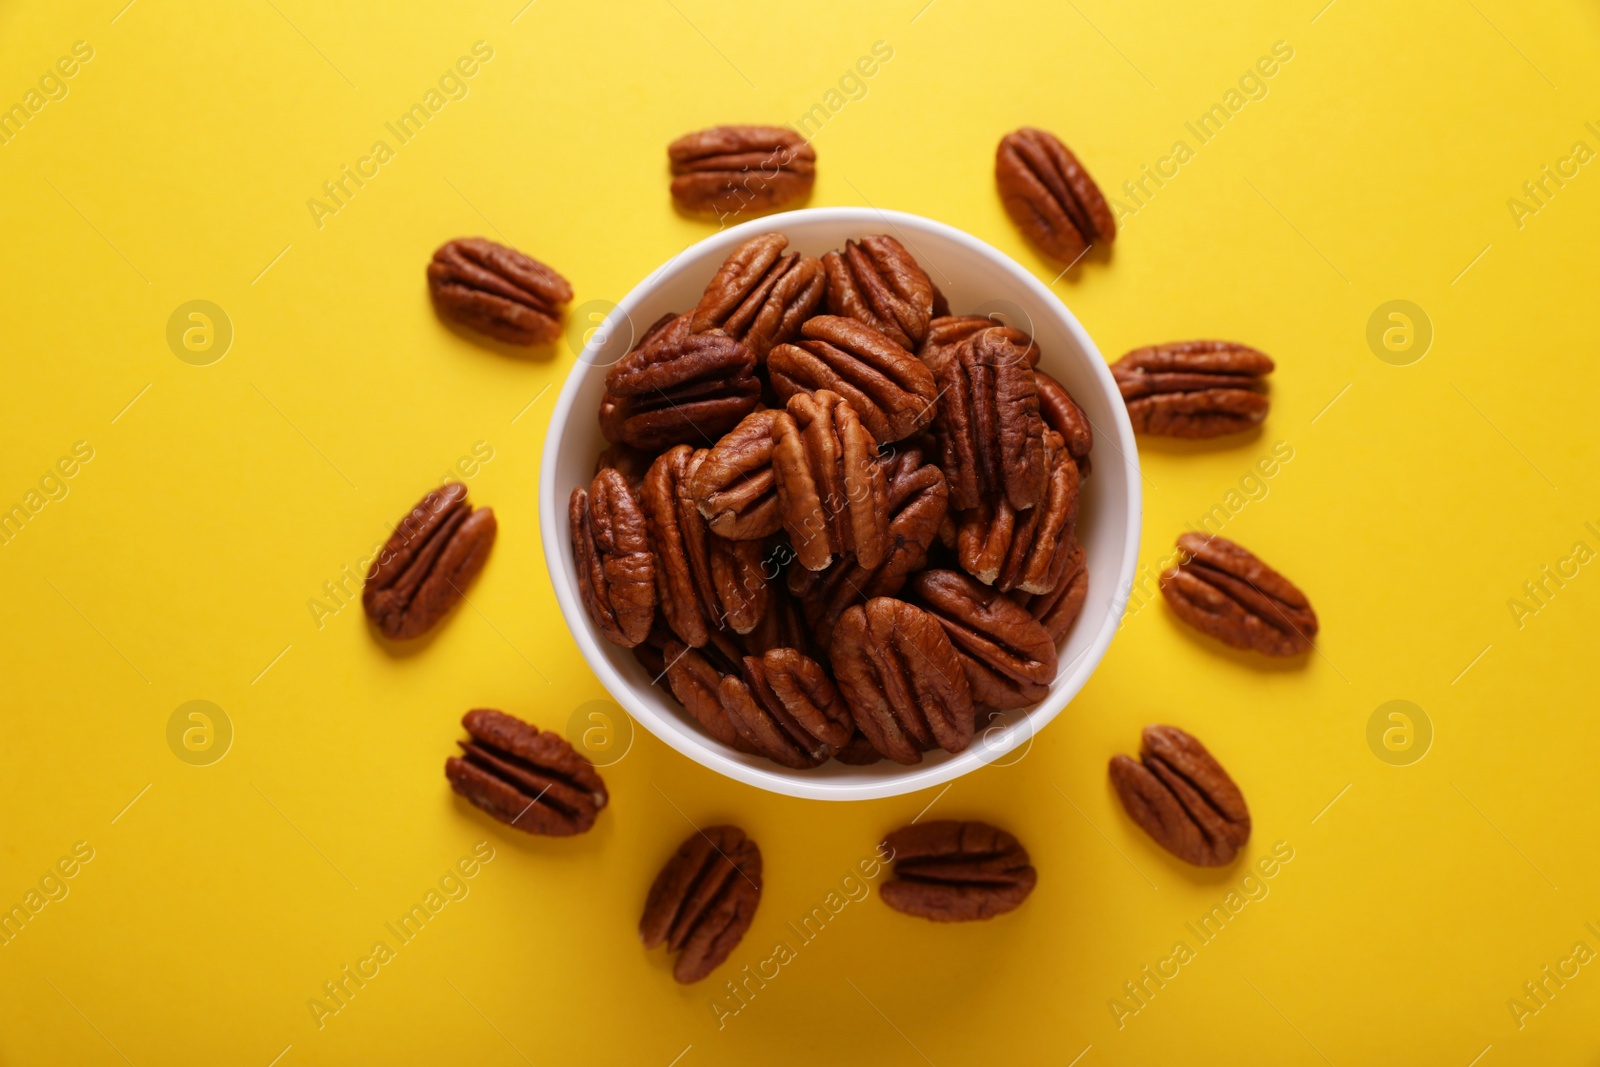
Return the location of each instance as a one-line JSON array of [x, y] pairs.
[[976, 279]]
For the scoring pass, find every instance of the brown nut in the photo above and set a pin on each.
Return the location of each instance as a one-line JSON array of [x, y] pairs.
[[781, 626], [1222, 589], [525, 777], [859, 752], [1194, 388], [678, 387], [433, 554], [831, 489], [1180, 795], [616, 569], [1063, 415], [1008, 656], [735, 488], [498, 291], [630, 462], [1050, 196], [760, 296], [1024, 550], [728, 169], [694, 678], [786, 708], [1058, 609], [900, 675], [703, 900], [878, 283], [950, 871], [892, 390], [917, 501], [946, 333], [990, 432]]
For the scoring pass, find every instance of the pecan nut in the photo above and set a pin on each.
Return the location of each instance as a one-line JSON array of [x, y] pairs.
[[906, 688], [832, 492], [498, 291], [1062, 414], [433, 554], [1025, 550], [678, 387], [1008, 656], [1194, 388], [1050, 196], [786, 707], [703, 582], [990, 432], [760, 296], [946, 333], [1058, 609], [858, 752], [1222, 589], [1179, 794], [703, 900], [694, 678], [950, 871], [527, 778], [616, 569], [727, 169], [917, 501], [735, 488], [877, 282], [892, 390]]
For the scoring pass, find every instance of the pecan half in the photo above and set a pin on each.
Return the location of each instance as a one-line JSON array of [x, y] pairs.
[[1062, 414], [616, 569], [678, 387], [727, 169], [527, 778], [1180, 795], [946, 333], [760, 296], [1058, 609], [703, 900], [694, 678], [1050, 196], [735, 488], [890, 389], [1026, 550], [990, 433], [433, 554], [1194, 388], [950, 871], [917, 502], [1222, 589], [905, 686], [877, 282], [703, 582], [831, 488], [1008, 656], [785, 706], [498, 291]]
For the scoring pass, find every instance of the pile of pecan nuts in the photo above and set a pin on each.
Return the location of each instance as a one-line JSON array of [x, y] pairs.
[[837, 521]]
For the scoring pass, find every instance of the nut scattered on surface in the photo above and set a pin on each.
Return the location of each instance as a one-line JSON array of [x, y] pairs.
[[1180, 795], [432, 556], [1194, 389], [728, 169], [950, 871], [498, 291], [704, 900], [527, 778], [1222, 589], [1050, 196]]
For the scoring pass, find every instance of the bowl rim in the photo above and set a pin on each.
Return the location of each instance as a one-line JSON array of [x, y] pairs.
[[778, 779]]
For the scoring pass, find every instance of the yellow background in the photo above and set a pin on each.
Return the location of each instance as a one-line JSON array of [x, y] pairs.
[[180, 564]]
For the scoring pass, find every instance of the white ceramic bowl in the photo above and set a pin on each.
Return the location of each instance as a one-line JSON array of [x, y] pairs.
[[977, 279]]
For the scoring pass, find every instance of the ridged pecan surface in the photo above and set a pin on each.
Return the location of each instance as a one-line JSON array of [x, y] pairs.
[[1058, 609], [1222, 589], [1180, 795], [678, 387], [831, 489], [1008, 656], [950, 871], [892, 390], [785, 706], [703, 900], [761, 296], [432, 556], [1194, 388], [729, 169], [1050, 196], [735, 488], [877, 282], [1063, 415], [525, 777], [616, 568], [498, 291], [1025, 550]]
